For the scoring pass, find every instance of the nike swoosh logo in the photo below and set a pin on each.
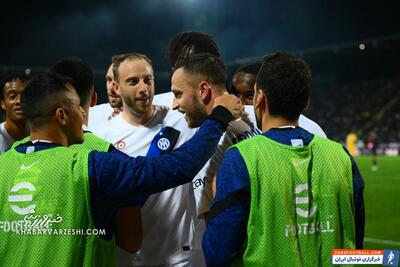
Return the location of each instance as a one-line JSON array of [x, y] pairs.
[[25, 167], [299, 163]]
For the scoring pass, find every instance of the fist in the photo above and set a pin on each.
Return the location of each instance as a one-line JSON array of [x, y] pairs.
[[230, 102]]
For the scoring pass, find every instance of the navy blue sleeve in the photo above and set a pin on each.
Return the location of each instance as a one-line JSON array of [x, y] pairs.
[[116, 179], [358, 187], [228, 219]]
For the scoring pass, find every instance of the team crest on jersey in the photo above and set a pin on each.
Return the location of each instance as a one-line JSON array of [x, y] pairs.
[[120, 145], [163, 143]]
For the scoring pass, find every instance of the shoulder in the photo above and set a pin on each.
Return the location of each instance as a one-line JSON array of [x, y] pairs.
[[116, 124], [5, 139], [176, 120], [239, 130], [2, 129], [98, 115], [311, 126], [164, 99], [101, 107]]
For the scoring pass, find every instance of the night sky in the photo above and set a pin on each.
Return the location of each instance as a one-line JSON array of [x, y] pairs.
[[37, 33]]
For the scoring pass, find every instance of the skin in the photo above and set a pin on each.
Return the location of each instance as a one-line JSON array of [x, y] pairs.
[[15, 119], [65, 125], [244, 84], [136, 88], [266, 121], [113, 98], [188, 98]]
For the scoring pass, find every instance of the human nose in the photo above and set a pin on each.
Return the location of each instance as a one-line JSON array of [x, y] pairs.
[[175, 104], [17, 99], [143, 86]]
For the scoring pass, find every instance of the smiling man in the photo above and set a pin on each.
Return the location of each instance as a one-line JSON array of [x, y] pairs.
[[14, 128], [146, 129]]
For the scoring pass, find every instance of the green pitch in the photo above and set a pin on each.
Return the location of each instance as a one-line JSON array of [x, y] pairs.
[[382, 202]]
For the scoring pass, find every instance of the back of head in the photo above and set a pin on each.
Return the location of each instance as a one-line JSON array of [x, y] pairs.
[[117, 60], [42, 95], [286, 82], [81, 74], [11, 77], [206, 66], [186, 43]]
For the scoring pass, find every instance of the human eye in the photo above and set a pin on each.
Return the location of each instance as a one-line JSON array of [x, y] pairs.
[[133, 81], [12, 96], [148, 79], [177, 94]]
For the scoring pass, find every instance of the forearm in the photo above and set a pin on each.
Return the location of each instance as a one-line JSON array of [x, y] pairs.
[[123, 178], [185, 162]]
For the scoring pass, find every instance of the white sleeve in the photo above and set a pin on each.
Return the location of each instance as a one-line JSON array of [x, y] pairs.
[[311, 126], [304, 122]]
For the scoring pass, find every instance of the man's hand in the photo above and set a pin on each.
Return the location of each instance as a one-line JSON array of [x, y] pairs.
[[230, 102]]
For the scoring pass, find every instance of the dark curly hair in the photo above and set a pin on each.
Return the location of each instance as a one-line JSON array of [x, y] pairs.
[[181, 44]]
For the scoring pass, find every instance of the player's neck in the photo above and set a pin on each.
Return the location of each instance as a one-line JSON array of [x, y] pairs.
[[270, 122], [216, 92], [135, 118], [16, 129], [49, 133]]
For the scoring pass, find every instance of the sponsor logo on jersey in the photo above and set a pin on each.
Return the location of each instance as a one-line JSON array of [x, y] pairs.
[[25, 167], [310, 228], [199, 182], [246, 135], [16, 198], [163, 143], [303, 200]]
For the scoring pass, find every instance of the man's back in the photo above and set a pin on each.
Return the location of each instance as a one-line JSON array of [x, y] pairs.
[[229, 214], [314, 186], [52, 219]]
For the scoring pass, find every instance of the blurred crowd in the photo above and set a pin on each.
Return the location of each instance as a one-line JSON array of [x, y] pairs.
[[362, 108]]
